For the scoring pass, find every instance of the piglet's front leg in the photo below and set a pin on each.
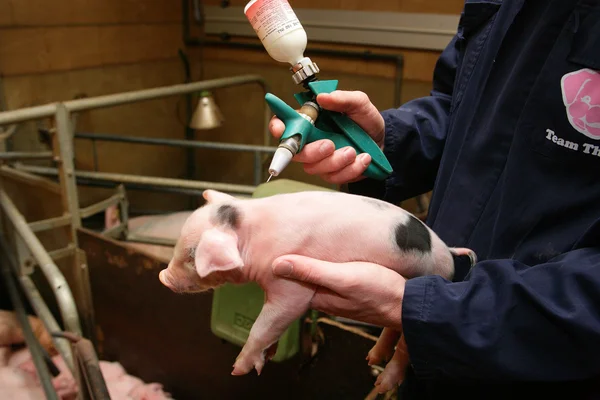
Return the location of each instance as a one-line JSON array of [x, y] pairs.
[[285, 302]]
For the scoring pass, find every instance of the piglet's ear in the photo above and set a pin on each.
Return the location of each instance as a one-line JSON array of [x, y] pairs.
[[214, 196], [217, 251]]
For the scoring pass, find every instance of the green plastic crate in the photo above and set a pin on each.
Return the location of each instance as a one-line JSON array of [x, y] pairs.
[[236, 307]]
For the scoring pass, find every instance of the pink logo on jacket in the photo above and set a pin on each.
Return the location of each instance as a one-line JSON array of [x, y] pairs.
[[581, 96]]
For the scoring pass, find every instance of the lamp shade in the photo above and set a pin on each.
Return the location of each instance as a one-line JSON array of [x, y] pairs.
[[207, 115]]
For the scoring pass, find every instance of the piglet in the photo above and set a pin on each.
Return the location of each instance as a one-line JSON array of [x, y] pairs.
[[231, 240], [165, 226]]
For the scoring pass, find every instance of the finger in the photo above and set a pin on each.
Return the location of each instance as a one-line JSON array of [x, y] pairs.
[[309, 270], [337, 161], [328, 302], [315, 152], [350, 173], [358, 107], [276, 127]]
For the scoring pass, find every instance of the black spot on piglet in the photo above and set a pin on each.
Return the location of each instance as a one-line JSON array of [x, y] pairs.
[[228, 215], [413, 236]]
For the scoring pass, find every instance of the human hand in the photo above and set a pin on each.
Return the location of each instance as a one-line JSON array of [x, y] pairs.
[[320, 157], [361, 291]]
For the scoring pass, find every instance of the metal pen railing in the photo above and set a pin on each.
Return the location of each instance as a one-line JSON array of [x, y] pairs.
[[79, 318]]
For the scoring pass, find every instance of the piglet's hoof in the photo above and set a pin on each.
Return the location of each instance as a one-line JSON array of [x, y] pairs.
[[244, 364]]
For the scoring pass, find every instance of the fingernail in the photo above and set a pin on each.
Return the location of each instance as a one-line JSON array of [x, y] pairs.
[[365, 159], [283, 268], [325, 148], [349, 154]]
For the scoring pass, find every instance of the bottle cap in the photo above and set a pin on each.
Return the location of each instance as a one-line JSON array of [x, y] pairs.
[[303, 70]]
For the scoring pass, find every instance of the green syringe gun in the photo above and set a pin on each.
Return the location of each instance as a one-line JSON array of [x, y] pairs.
[[312, 123], [284, 38]]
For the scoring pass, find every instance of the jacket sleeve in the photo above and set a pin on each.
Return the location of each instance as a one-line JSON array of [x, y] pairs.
[[414, 137], [508, 321]]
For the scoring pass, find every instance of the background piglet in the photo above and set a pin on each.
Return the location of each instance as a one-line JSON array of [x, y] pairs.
[[166, 226], [19, 378], [236, 241]]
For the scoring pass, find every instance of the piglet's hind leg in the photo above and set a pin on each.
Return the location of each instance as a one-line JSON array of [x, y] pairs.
[[285, 302], [395, 370], [384, 348]]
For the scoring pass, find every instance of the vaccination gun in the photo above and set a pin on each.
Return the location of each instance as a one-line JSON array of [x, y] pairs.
[[285, 40]]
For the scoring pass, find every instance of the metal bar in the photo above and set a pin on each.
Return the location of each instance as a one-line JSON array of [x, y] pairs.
[[124, 208], [39, 307], [155, 93], [23, 155], [50, 223], [62, 253], [27, 114], [24, 257], [32, 343], [43, 312], [48, 110], [6, 134], [175, 142], [63, 140], [155, 181], [89, 364], [257, 168], [132, 237], [55, 278], [115, 231], [64, 145], [130, 186], [100, 206]]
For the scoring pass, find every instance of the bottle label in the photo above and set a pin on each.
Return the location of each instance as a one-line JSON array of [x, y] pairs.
[[271, 19]]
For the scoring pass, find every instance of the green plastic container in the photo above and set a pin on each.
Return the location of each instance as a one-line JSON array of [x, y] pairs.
[[236, 307]]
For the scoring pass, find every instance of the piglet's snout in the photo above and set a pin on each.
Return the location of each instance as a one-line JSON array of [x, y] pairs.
[[165, 278]]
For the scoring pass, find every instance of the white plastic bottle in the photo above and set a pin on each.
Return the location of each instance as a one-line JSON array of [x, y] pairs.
[[278, 28]]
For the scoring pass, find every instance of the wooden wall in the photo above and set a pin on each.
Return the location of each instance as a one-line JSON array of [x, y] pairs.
[[57, 50], [60, 49]]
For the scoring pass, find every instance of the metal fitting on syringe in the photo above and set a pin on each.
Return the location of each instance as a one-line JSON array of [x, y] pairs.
[[304, 71], [288, 148]]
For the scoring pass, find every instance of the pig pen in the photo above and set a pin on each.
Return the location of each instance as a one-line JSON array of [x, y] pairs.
[[114, 297]]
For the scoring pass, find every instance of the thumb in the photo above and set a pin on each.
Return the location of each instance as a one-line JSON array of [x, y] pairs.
[[306, 269], [351, 103], [358, 107]]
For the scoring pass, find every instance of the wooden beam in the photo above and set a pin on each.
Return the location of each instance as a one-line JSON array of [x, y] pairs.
[[68, 12], [420, 6], [43, 50]]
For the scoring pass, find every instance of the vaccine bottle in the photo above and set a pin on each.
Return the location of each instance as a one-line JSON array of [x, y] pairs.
[[282, 35]]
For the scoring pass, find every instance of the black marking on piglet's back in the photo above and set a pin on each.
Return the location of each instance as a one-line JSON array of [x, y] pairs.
[[413, 235], [382, 205], [228, 215]]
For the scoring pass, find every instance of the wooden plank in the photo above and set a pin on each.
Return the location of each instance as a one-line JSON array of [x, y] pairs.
[[6, 13], [42, 50], [134, 43], [85, 12], [416, 6], [418, 65]]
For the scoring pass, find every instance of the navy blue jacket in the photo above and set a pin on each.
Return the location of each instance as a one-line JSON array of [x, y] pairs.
[[509, 142]]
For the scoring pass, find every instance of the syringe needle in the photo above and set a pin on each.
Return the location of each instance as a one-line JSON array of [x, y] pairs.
[[270, 176]]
